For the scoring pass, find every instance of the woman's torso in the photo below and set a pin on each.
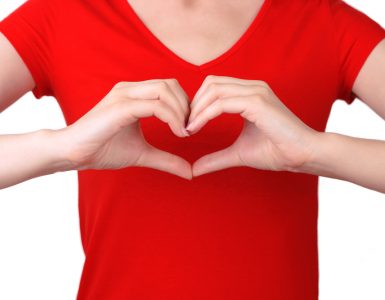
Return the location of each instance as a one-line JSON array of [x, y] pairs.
[[238, 233]]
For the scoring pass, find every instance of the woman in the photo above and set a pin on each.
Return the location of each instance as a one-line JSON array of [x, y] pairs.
[[198, 132]]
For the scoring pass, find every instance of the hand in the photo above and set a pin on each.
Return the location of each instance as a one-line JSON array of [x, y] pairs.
[[109, 135], [273, 138]]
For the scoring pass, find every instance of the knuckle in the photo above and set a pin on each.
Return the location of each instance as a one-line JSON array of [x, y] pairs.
[[213, 86], [120, 84], [264, 91], [261, 83], [114, 95], [209, 78], [173, 81], [162, 84]]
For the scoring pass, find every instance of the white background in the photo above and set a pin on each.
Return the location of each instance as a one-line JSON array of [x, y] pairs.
[[40, 249]]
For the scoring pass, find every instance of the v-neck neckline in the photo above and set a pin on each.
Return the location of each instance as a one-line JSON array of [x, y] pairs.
[[126, 6]]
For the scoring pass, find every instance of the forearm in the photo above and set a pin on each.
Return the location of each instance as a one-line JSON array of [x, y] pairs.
[[358, 160], [33, 154]]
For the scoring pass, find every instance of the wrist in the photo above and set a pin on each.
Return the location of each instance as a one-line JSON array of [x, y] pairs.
[[320, 157], [57, 149]]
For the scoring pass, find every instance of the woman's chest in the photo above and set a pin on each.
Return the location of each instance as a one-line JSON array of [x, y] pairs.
[[196, 31], [91, 58]]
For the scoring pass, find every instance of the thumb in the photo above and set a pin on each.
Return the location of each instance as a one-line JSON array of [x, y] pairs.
[[219, 160], [155, 158]]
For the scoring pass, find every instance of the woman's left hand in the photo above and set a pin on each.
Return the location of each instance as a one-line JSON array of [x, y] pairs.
[[273, 138]]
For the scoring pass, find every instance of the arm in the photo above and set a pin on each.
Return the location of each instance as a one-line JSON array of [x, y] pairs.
[[15, 78], [359, 160], [28, 155], [24, 156]]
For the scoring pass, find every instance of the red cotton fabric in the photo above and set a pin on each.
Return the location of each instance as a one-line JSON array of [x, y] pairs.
[[239, 233]]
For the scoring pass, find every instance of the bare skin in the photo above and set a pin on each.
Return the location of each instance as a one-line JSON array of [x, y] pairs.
[[205, 28], [213, 26]]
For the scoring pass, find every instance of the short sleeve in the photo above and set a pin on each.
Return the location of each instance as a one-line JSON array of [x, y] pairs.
[[30, 29], [356, 36]]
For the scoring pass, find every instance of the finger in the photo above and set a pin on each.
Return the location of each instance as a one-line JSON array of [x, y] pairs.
[[223, 79], [180, 94], [154, 90], [238, 104], [216, 161], [217, 90], [135, 109], [164, 161]]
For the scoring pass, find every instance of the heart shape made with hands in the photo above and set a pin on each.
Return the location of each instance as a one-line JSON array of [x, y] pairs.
[[271, 136]]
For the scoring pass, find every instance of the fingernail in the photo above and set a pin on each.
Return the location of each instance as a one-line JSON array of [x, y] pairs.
[[185, 132], [190, 125]]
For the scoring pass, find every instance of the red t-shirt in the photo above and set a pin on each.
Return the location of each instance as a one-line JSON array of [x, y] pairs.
[[238, 233]]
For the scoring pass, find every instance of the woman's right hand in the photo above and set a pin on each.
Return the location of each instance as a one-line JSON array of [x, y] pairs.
[[109, 136]]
